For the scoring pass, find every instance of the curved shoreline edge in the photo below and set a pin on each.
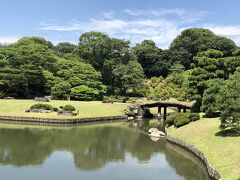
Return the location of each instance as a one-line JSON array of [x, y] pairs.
[[77, 121], [211, 171], [61, 122]]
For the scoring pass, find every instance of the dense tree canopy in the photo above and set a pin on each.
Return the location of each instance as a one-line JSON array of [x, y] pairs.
[[194, 40], [94, 48], [209, 65], [129, 79], [154, 61], [199, 65], [64, 48]]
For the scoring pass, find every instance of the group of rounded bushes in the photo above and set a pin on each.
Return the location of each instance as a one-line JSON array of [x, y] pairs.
[[44, 108], [180, 119]]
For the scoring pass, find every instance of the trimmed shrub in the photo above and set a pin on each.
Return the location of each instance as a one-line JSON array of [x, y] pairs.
[[181, 119], [68, 108], [194, 116], [84, 93], [170, 120], [55, 109], [61, 90], [42, 106]]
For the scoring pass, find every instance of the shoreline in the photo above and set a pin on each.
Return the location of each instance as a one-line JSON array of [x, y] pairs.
[[61, 122], [213, 173]]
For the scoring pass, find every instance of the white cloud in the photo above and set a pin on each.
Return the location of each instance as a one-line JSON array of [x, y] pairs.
[[134, 25], [160, 12], [8, 39], [224, 30]]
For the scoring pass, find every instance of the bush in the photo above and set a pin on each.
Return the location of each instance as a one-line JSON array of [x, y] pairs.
[[84, 93], [55, 109], [42, 106], [68, 108], [194, 116], [61, 90], [181, 119], [170, 120]]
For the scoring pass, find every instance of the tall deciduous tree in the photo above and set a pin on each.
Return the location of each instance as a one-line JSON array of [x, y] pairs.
[[94, 48], [129, 79], [64, 48], [154, 61]]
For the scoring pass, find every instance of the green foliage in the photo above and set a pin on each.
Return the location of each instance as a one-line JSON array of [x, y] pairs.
[[229, 102], [34, 67], [84, 93], [194, 116], [26, 41], [151, 59], [42, 106], [180, 119], [129, 79], [211, 53], [64, 48], [94, 47], [78, 73], [61, 90], [68, 107], [174, 86], [209, 68], [170, 120], [210, 97], [195, 40]]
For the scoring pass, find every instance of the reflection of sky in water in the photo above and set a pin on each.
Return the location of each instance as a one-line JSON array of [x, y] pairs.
[[108, 153], [60, 166]]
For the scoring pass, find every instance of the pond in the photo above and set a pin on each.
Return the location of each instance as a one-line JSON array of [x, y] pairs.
[[104, 151]]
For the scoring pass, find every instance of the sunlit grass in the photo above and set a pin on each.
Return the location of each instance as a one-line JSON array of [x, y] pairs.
[[86, 109], [222, 151]]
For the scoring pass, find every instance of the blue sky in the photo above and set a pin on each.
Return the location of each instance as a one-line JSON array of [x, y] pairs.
[[134, 20]]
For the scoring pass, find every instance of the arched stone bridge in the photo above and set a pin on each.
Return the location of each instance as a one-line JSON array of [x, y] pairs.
[[163, 104]]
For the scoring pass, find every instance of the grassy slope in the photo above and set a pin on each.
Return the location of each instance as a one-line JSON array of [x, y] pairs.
[[223, 153], [86, 109]]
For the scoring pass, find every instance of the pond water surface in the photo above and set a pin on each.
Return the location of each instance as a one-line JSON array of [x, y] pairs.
[[104, 152]]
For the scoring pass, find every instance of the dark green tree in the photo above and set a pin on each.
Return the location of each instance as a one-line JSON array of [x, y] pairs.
[[63, 49], [129, 79], [94, 48], [61, 90], [209, 65], [84, 93], [154, 61], [229, 102], [194, 40], [211, 95]]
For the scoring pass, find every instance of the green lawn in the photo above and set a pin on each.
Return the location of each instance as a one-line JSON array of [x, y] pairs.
[[86, 109], [223, 152]]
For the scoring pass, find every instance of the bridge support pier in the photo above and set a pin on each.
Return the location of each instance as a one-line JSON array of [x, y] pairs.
[[159, 111], [165, 113], [179, 109], [184, 109], [139, 113]]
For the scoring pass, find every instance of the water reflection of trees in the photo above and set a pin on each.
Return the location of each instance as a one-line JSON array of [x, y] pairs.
[[92, 147]]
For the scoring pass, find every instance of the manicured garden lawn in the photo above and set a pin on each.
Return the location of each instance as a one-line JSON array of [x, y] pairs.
[[223, 152], [86, 109]]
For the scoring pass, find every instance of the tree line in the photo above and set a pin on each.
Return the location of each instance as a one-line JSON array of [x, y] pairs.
[[198, 65]]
